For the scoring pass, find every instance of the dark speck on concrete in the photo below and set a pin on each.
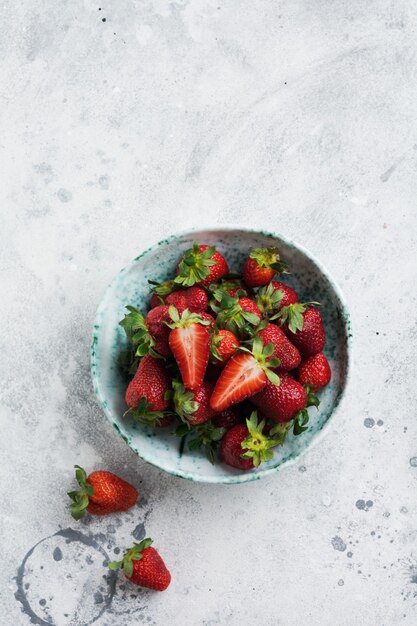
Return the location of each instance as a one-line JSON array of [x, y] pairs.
[[349, 555], [139, 531], [64, 195], [302, 468], [380, 423], [116, 550], [89, 559], [57, 554], [98, 598], [103, 19], [364, 506], [403, 509], [42, 601], [413, 461], [111, 529], [341, 582], [338, 544], [368, 422]]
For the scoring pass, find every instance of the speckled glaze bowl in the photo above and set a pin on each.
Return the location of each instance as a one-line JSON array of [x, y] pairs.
[[161, 447]]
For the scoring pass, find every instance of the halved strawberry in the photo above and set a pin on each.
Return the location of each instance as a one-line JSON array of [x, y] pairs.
[[201, 265], [261, 266], [244, 375], [189, 341], [274, 297], [287, 354], [194, 299], [193, 407], [223, 345]]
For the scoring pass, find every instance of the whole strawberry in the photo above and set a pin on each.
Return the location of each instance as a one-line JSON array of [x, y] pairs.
[[314, 371], [189, 341], [227, 418], [150, 382], [239, 315], [274, 297], [261, 266], [100, 493], [193, 407], [143, 566], [194, 299], [223, 345], [284, 350], [280, 403], [245, 446], [158, 330], [304, 327], [201, 265], [232, 286]]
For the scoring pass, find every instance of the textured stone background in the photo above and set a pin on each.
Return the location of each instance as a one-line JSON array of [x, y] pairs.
[[123, 125]]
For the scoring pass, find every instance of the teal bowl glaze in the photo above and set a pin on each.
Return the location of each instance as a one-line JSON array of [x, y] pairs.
[[161, 447]]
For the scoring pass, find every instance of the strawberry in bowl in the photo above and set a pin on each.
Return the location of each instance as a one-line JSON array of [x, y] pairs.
[[224, 336]]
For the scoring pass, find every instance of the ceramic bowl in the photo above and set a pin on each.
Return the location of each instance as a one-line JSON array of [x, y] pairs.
[[161, 447]]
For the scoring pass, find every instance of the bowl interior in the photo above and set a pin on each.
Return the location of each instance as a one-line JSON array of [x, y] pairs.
[[130, 286]]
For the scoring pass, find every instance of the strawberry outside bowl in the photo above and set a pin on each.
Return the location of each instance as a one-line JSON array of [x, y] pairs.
[[161, 446]]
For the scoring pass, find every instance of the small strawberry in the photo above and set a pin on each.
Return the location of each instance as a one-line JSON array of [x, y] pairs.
[[245, 446], [157, 329], [303, 325], [151, 383], [193, 407], [201, 265], [206, 317], [314, 371], [244, 375], [274, 297], [223, 345], [143, 566], [238, 315], [156, 301], [100, 493], [261, 266], [287, 354], [194, 299], [281, 402], [189, 341], [227, 418]]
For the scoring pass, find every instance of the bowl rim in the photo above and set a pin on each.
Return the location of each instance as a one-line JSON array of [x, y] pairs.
[[244, 476]]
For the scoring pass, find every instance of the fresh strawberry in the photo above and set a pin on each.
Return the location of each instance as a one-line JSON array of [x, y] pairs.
[[158, 330], [100, 493], [274, 297], [314, 371], [156, 301], [206, 317], [223, 345], [201, 265], [227, 419], [193, 407], [189, 341], [245, 446], [239, 315], [232, 286], [151, 382], [193, 299], [303, 326], [281, 402], [137, 332], [287, 354], [143, 566], [244, 375], [261, 266]]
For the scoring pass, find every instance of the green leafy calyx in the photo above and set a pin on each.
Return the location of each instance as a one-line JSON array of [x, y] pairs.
[[185, 319], [184, 403], [293, 315], [269, 299], [81, 498], [257, 446], [268, 257], [195, 265], [230, 314], [135, 553], [137, 333], [144, 414]]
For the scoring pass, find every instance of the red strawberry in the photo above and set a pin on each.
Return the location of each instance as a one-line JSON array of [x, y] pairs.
[[223, 346], [281, 402], [238, 315], [283, 349], [100, 493], [304, 328], [244, 375], [274, 297], [314, 371], [189, 341], [201, 265], [193, 406], [245, 446], [151, 382], [227, 419], [143, 566], [159, 331], [156, 300], [261, 266], [207, 318], [193, 299]]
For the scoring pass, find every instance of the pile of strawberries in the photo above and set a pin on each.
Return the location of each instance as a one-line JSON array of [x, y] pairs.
[[233, 360]]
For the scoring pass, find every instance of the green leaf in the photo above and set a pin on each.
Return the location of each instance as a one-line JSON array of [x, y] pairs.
[[182, 430], [128, 568], [300, 421], [114, 565], [272, 377]]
